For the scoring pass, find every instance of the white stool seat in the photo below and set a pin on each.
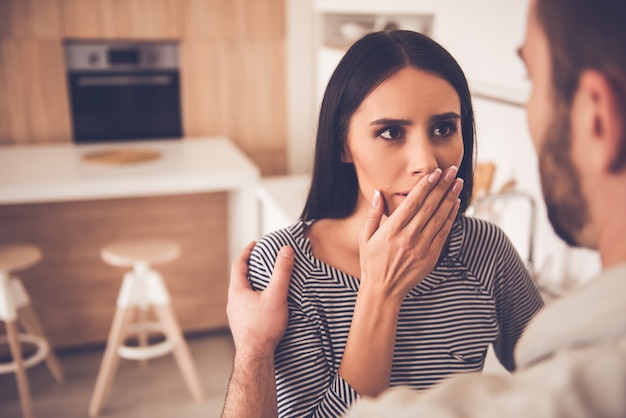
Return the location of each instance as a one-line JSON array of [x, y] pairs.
[[153, 252], [15, 305], [18, 257], [142, 289]]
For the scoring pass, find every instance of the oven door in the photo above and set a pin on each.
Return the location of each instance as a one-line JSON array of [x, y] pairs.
[[131, 105]]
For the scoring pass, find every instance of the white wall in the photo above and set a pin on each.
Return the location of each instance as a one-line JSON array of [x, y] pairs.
[[483, 35]]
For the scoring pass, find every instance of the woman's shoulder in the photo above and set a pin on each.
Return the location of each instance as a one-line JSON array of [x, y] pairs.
[[480, 238], [476, 227], [272, 242], [264, 253]]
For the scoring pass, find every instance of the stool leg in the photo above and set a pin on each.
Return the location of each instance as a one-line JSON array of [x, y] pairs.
[[166, 316], [110, 360], [31, 324], [143, 335], [20, 372]]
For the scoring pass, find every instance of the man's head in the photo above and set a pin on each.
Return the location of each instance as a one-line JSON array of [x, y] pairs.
[[575, 55]]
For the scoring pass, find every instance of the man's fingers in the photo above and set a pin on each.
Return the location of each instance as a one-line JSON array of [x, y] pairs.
[[374, 215], [239, 270], [279, 284]]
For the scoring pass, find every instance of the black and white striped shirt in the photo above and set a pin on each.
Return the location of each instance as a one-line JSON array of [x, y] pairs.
[[480, 293]]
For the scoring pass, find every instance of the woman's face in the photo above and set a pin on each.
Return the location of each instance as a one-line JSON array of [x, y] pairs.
[[407, 126]]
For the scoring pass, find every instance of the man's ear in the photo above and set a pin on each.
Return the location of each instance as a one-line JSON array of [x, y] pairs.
[[602, 108]]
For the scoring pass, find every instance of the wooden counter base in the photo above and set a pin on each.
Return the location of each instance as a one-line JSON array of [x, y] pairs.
[[74, 292]]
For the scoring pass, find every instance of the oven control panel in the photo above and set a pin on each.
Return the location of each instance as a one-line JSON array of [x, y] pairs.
[[120, 56]]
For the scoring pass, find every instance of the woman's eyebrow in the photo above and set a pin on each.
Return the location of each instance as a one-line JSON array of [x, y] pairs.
[[391, 121], [445, 116], [406, 122]]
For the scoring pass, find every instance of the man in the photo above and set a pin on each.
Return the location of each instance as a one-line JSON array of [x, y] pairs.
[[572, 358]]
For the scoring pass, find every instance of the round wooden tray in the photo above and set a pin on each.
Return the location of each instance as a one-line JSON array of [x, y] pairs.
[[121, 156]]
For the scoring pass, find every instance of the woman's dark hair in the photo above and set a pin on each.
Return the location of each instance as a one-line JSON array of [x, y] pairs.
[[370, 61]]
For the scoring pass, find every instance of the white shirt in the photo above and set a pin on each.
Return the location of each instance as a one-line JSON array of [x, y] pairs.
[[571, 359]]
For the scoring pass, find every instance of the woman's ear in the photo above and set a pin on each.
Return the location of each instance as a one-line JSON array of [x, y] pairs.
[[601, 108], [346, 155]]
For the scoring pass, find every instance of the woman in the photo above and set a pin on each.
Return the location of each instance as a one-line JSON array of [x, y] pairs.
[[403, 300]]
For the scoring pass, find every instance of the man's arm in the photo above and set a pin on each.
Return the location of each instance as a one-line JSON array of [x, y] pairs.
[[257, 322]]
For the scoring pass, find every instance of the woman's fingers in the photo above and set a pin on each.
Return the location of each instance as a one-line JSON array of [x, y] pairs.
[[374, 215], [435, 207], [433, 224], [441, 235], [412, 204]]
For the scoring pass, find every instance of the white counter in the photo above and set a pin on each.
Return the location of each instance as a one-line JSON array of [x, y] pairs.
[[57, 172]]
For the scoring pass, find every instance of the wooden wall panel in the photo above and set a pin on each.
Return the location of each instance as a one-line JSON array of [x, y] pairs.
[[121, 19], [203, 20], [200, 85], [45, 88], [39, 19], [252, 98], [234, 19], [82, 19], [265, 19], [34, 104], [140, 19], [74, 292], [234, 76], [14, 125]]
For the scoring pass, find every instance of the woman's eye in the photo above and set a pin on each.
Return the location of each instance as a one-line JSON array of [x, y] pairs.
[[444, 129], [391, 133]]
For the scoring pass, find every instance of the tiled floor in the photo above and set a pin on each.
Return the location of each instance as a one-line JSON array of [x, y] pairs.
[[156, 391]]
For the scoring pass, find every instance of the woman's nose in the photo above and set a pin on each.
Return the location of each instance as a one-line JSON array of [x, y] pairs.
[[421, 157]]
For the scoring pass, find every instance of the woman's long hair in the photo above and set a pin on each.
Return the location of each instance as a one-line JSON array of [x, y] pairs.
[[370, 61]]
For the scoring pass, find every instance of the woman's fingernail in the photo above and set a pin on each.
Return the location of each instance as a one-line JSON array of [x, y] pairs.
[[376, 198], [450, 173], [458, 185], [434, 176]]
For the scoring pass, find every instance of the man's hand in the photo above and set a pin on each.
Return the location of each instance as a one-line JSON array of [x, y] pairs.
[[258, 319]]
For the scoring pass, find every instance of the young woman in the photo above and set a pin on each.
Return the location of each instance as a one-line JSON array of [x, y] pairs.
[[405, 300]]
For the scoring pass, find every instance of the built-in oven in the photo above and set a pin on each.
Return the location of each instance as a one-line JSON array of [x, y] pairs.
[[123, 90]]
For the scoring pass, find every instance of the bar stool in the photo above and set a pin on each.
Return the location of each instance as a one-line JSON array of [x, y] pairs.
[[142, 289], [15, 306]]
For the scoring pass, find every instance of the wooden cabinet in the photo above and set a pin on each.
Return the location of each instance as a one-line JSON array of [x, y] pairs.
[[14, 126], [234, 77], [233, 19], [74, 291], [33, 90], [121, 19], [42, 64], [38, 19]]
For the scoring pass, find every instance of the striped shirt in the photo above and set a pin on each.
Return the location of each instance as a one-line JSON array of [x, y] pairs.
[[480, 293]]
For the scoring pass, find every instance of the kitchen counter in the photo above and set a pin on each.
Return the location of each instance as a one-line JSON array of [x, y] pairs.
[[200, 192], [57, 173]]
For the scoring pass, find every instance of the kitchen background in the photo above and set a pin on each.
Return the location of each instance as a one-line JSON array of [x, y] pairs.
[[252, 71]]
